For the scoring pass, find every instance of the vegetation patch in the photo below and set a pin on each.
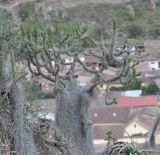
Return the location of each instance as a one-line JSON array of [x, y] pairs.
[[123, 12], [25, 10], [5, 15], [151, 89]]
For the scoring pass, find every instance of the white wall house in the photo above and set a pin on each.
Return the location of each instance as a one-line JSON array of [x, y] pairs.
[[154, 65], [134, 129], [70, 59]]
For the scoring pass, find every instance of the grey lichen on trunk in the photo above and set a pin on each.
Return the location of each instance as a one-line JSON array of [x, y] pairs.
[[72, 119], [14, 114], [24, 142]]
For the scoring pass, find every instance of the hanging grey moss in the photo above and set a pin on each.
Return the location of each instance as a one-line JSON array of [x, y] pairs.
[[72, 119], [24, 143]]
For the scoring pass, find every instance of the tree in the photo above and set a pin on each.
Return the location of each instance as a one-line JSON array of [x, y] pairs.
[[151, 89], [136, 84], [12, 117], [19, 132], [45, 48]]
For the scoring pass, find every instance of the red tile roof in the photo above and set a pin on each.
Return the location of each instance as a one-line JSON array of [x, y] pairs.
[[138, 101]]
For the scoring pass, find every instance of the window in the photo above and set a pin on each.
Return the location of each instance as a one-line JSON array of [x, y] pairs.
[[158, 64], [101, 85], [95, 115]]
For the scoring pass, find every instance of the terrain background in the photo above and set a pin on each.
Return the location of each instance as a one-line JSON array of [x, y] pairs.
[[139, 20]]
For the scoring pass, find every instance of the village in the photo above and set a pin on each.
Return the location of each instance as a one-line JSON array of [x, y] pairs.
[[130, 114], [79, 77]]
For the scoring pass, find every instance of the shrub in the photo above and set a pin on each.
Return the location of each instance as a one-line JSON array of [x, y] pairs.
[[5, 15], [123, 12], [151, 89], [122, 88], [47, 95], [25, 10], [136, 84], [127, 149], [135, 31]]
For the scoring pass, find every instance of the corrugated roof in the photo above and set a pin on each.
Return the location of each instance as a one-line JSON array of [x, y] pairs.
[[141, 101]]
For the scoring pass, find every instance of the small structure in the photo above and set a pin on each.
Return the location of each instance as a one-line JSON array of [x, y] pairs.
[[134, 102]]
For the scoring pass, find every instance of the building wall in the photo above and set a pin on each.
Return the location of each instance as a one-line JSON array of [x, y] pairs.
[[135, 128], [154, 65], [157, 139], [129, 140], [136, 140]]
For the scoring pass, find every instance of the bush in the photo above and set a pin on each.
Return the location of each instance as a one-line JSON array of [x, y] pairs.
[[122, 88], [25, 10], [5, 15], [47, 95], [136, 84], [123, 12], [151, 89], [125, 148], [135, 31]]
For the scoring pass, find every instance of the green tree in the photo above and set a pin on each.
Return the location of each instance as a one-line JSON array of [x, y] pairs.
[[136, 84], [151, 89]]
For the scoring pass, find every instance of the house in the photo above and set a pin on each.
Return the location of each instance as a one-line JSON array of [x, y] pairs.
[[135, 102], [150, 70], [147, 66], [108, 118], [138, 129]]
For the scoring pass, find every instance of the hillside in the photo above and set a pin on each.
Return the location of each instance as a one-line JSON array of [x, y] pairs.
[[137, 19]]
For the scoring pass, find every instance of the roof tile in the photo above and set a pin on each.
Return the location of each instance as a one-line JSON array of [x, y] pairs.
[[141, 101]]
